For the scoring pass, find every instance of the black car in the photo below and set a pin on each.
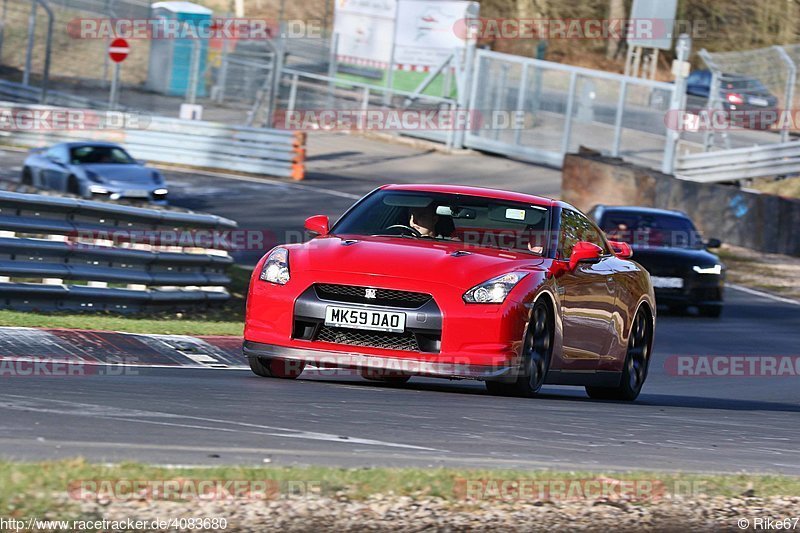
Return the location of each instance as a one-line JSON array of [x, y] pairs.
[[666, 243], [736, 93]]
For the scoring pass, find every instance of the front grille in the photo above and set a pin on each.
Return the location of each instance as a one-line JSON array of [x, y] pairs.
[[372, 339], [384, 297]]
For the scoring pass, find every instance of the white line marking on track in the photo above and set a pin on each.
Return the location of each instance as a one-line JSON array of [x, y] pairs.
[[61, 407], [763, 294]]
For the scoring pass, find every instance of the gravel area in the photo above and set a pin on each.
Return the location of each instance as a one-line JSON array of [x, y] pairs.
[[401, 514]]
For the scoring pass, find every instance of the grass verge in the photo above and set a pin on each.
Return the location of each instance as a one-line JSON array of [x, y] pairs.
[[40, 489]]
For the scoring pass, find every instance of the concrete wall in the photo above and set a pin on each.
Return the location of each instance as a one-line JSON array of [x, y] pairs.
[[762, 222]]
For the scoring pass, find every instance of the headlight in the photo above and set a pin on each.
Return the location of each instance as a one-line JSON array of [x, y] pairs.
[[160, 192], [495, 290], [716, 269], [276, 267], [94, 176]]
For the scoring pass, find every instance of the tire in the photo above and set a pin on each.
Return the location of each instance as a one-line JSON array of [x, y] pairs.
[[710, 311], [72, 186], [537, 351], [275, 367], [27, 177], [637, 361]]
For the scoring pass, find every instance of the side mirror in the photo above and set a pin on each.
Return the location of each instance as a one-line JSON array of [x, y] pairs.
[[621, 249], [317, 224], [713, 243], [584, 251]]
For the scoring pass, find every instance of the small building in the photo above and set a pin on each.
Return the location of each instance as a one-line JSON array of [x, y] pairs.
[[178, 28]]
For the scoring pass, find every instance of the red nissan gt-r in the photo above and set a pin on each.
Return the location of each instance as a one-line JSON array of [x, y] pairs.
[[460, 283]]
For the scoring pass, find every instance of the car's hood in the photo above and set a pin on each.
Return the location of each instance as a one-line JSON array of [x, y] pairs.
[[425, 260], [657, 259], [123, 174]]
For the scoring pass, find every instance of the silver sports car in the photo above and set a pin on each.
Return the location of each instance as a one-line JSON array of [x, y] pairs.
[[93, 170]]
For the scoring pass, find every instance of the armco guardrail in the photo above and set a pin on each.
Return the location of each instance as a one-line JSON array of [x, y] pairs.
[[64, 253], [17, 92], [185, 142], [740, 163]]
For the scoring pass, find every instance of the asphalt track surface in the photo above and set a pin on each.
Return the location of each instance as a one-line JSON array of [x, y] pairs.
[[191, 416]]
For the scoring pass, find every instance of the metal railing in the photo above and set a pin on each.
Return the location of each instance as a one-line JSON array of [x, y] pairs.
[[185, 142], [60, 253], [566, 107], [740, 163]]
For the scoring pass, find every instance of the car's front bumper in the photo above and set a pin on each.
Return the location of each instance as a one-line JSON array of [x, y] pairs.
[[116, 192], [388, 365]]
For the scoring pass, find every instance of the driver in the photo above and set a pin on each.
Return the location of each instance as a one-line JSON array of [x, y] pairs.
[[424, 219]]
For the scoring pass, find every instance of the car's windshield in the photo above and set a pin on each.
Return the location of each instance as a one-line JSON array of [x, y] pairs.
[[654, 230], [99, 154], [472, 220]]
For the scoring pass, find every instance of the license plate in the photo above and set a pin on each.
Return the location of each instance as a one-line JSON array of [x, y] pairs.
[[137, 194], [348, 317], [758, 101], [666, 283]]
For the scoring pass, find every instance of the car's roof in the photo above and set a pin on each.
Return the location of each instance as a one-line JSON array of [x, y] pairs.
[[636, 209], [484, 192]]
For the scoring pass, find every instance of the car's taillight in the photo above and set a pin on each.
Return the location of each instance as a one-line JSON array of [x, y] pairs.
[[734, 98]]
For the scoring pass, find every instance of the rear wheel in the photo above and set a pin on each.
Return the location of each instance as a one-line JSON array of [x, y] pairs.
[[637, 359], [27, 176], [72, 185], [537, 349], [276, 368]]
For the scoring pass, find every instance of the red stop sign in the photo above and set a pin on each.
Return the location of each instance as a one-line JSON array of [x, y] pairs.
[[118, 50]]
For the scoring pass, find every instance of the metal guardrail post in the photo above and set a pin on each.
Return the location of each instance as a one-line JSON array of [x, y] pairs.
[[194, 72], [47, 51], [623, 93], [790, 81], [713, 96], [467, 89], [573, 79], [682, 50], [26, 74], [523, 89], [292, 93]]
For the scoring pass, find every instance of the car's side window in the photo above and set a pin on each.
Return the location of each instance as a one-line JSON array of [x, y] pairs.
[[575, 228]]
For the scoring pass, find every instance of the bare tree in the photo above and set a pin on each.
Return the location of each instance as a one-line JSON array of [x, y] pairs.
[[616, 11]]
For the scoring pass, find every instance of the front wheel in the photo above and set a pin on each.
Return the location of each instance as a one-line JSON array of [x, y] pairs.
[[637, 359], [275, 367], [537, 350]]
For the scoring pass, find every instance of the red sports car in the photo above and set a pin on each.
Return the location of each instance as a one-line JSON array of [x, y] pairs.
[[456, 282]]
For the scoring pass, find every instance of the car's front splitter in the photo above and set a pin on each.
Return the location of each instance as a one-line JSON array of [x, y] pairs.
[[328, 359]]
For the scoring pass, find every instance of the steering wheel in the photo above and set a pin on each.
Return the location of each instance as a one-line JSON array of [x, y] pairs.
[[411, 230]]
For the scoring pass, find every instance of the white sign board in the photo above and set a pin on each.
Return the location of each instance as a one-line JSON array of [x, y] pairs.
[[365, 29], [653, 23], [426, 31]]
